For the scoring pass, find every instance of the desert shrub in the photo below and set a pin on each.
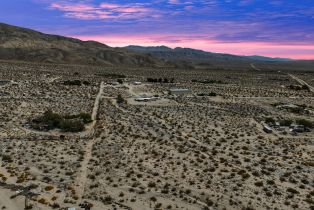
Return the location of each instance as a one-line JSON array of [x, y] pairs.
[[107, 200], [86, 83], [120, 99], [305, 123], [151, 184], [270, 120], [48, 188], [42, 201], [285, 122], [72, 82], [259, 184], [6, 158], [293, 191]]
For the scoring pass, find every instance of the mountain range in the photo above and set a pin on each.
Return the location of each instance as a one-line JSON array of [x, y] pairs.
[[24, 44], [189, 54], [18, 43]]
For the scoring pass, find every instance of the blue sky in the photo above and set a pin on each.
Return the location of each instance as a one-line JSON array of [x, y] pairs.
[[273, 28]]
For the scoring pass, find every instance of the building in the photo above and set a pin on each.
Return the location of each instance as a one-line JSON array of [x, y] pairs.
[[145, 99], [137, 83], [179, 91]]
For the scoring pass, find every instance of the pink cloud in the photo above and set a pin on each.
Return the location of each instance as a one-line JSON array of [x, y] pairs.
[[109, 6], [104, 11], [72, 7], [296, 51]]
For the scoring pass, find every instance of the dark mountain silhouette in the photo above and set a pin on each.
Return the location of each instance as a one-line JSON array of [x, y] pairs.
[[189, 54], [22, 44]]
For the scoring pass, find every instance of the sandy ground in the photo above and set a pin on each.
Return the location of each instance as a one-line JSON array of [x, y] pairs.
[[10, 204], [186, 152]]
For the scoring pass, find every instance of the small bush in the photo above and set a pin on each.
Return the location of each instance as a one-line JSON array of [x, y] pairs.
[[120, 99], [72, 82], [305, 123], [48, 188]]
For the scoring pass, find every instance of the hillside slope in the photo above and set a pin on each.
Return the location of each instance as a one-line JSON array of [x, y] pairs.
[[187, 57], [28, 45], [189, 54]]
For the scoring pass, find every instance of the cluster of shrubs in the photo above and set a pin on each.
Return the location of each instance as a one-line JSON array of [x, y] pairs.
[[67, 123], [76, 82], [305, 123], [288, 122], [160, 80], [208, 81]]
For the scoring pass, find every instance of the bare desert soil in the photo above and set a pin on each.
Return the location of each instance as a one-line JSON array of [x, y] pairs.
[[192, 151]]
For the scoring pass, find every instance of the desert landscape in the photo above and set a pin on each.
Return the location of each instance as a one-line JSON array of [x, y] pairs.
[[102, 137]]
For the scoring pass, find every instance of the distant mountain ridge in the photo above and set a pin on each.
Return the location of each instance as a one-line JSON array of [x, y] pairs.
[[189, 54], [23, 44]]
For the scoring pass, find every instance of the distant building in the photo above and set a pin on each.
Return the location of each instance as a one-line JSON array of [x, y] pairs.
[[115, 83], [179, 91], [137, 83], [145, 99]]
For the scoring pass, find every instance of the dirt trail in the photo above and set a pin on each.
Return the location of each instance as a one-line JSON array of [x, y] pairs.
[[8, 203], [82, 174], [254, 67], [90, 129]]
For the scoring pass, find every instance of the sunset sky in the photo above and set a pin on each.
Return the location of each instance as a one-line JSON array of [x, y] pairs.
[[277, 28]]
